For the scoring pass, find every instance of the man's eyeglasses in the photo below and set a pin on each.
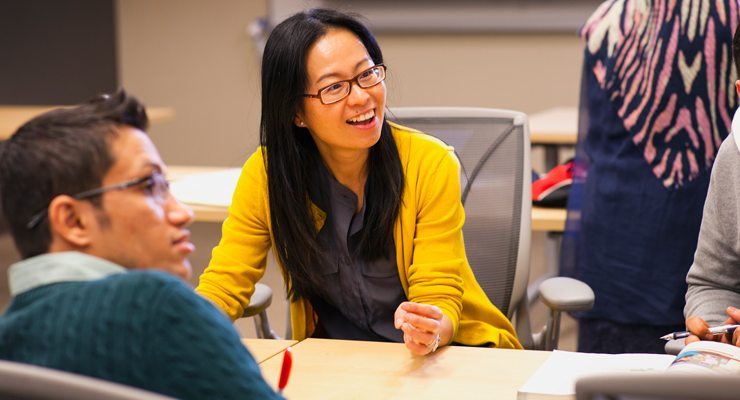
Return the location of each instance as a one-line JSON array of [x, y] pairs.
[[156, 184], [339, 90]]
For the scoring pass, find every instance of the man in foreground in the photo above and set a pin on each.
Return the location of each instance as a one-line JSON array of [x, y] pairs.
[[85, 197]]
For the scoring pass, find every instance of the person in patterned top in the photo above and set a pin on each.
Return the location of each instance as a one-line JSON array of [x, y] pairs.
[[657, 98]]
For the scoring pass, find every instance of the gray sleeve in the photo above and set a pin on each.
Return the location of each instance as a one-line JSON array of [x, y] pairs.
[[714, 277]]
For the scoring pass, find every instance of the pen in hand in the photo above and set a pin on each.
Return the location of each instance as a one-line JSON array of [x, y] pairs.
[[285, 369], [715, 330]]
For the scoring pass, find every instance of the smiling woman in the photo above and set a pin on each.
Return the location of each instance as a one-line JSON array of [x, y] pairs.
[[364, 216]]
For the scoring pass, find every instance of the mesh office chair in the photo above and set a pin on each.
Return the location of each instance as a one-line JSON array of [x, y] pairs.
[[658, 386], [29, 382], [257, 308], [493, 149]]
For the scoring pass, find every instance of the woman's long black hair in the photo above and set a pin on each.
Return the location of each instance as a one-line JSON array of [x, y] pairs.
[[293, 161]]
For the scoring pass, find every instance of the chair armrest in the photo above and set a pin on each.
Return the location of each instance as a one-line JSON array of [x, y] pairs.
[[566, 294], [260, 300]]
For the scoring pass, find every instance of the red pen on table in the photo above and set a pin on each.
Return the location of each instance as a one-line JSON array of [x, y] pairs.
[[285, 369]]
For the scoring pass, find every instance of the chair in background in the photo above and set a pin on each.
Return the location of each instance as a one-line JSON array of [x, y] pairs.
[[258, 303], [29, 382], [493, 149], [657, 386]]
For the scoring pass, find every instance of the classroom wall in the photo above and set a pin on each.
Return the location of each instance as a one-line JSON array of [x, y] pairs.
[[56, 51], [197, 57]]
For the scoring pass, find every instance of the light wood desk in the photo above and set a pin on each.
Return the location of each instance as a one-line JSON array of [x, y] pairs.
[[340, 369], [554, 128], [543, 219], [548, 219], [12, 117], [263, 349], [557, 126]]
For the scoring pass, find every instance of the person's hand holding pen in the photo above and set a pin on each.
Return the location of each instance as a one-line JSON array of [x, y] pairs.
[[700, 329], [425, 327]]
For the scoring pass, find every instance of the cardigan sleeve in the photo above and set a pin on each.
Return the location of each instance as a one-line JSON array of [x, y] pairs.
[[434, 276], [239, 260]]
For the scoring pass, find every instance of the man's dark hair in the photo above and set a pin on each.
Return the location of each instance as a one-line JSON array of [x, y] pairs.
[[63, 151]]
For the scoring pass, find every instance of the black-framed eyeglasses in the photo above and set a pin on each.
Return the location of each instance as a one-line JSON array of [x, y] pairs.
[[156, 184], [338, 90]]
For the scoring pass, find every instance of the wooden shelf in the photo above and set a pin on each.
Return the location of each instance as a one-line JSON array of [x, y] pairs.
[[13, 116]]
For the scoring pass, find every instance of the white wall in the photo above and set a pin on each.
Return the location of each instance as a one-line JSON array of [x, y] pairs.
[[197, 57], [525, 72]]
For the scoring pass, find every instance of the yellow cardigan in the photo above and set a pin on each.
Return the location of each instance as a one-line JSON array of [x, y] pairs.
[[430, 252]]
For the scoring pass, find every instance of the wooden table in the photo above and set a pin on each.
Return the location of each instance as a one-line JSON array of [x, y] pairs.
[[557, 126], [543, 219], [12, 116], [341, 369], [552, 129], [263, 349], [548, 219]]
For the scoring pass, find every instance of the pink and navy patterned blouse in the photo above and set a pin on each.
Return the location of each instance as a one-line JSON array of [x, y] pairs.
[[658, 94]]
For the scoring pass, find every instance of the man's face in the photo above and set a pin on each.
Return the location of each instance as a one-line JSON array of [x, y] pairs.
[[138, 227]]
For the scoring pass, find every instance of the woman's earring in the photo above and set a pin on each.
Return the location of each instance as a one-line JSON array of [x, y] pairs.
[[301, 124]]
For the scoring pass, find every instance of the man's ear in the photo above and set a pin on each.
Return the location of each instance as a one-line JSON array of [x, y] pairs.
[[71, 220], [737, 87]]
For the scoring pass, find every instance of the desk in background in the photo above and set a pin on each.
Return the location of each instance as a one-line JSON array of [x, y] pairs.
[[341, 369], [552, 129], [543, 219], [12, 116]]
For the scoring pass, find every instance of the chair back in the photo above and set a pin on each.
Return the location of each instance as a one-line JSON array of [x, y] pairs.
[[492, 146], [20, 381]]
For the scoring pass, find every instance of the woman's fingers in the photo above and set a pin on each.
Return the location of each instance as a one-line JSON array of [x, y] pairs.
[[416, 341], [424, 327], [422, 337], [422, 323], [398, 317], [423, 317], [415, 348], [425, 310]]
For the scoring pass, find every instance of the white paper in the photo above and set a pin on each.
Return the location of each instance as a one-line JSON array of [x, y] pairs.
[[207, 188], [559, 373]]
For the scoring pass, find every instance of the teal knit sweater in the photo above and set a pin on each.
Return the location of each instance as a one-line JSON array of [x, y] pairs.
[[142, 329]]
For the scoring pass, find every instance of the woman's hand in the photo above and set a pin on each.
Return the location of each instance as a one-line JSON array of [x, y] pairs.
[[424, 327], [700, 329]]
